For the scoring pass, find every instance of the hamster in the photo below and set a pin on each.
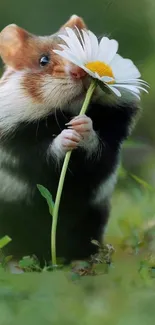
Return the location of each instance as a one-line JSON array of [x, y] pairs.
[[40, 93]]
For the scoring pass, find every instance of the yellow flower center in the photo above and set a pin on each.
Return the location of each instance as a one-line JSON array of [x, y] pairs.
[[101, 68]]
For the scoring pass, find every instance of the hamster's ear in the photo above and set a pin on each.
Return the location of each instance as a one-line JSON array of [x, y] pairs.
[[13, 40], [75, 21]]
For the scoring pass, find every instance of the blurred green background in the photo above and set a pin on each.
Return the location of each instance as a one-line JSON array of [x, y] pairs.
[[132, 23]]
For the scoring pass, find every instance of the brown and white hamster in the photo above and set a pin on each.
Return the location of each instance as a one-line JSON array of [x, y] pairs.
[[40, 93]]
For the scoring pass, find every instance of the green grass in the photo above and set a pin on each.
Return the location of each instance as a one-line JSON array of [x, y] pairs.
[[122, 293]]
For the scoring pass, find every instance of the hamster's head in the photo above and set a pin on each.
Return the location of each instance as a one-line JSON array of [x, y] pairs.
[[36, 80]]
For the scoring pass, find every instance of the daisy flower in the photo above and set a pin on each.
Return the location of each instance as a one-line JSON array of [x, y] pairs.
[[101, 61]]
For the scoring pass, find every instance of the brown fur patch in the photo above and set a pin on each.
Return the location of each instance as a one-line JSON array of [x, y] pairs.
[[33, 80], [32, 86]]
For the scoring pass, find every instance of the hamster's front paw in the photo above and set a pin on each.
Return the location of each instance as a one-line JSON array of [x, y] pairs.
[[83, 125], [67, 140], [80, 133]]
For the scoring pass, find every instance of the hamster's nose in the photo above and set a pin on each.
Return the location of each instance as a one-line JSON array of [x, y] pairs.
[[77, 72]]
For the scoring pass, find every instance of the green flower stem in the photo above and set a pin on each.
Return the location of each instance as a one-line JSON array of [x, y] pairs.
[[62, 178]]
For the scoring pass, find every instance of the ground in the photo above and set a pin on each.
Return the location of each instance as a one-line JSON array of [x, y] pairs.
[[121, 292]]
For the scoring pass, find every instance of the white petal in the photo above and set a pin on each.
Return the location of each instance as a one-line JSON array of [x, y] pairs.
[[71, 46], [133, 88], [115, 90], [97, 76], [64, 47], [94, 45], [66, 39], [129, 87], [133, 93], [142, 88], [107, 50], [134, 81], [69, 56], [124, 69], [80, 36], [87, 45], [104, 79], [74, 44], [107, 79]]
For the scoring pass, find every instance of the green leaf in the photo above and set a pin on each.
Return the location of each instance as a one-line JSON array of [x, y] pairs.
[[142, 182], [27, 262], [4, 241], [48, 196]]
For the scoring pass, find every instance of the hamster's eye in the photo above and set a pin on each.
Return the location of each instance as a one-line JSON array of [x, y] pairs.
[[44, 60]]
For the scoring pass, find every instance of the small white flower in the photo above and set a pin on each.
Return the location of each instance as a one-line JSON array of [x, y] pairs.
[[101, 61]]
